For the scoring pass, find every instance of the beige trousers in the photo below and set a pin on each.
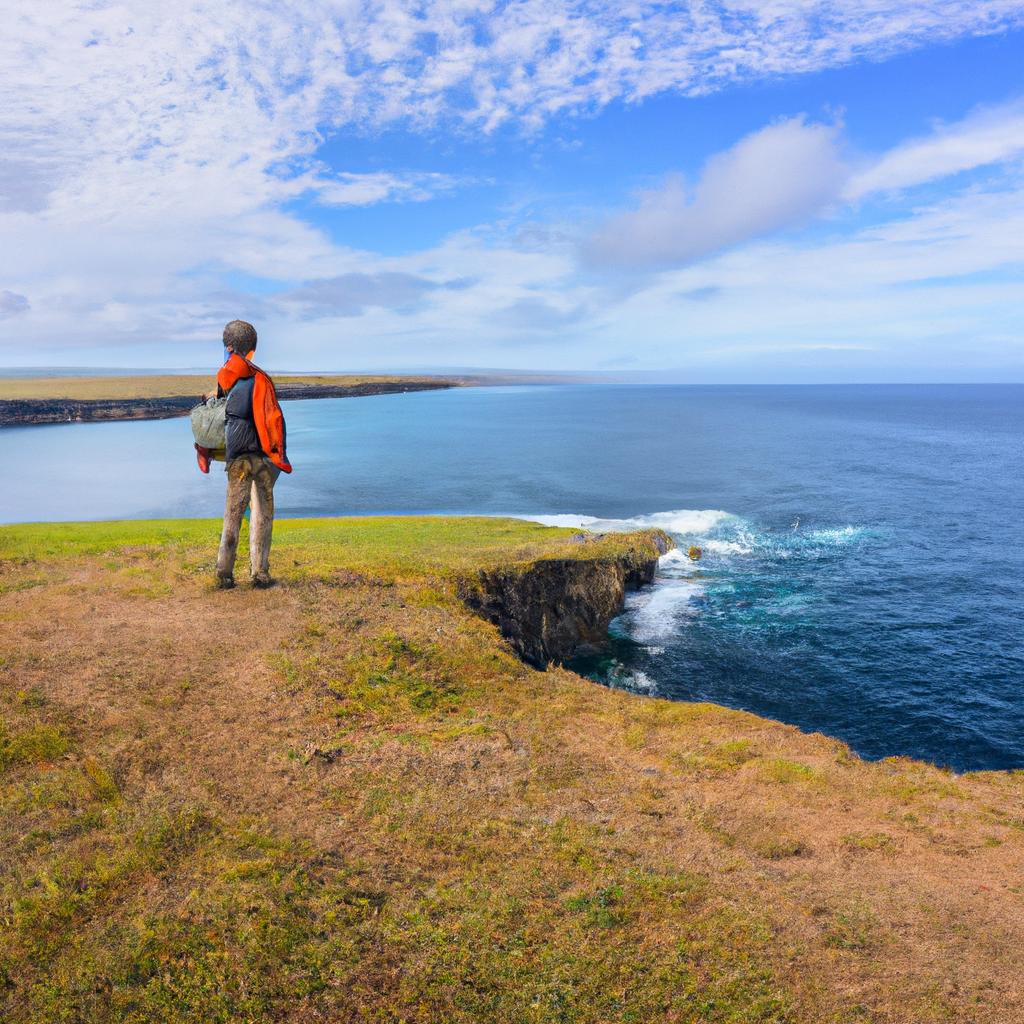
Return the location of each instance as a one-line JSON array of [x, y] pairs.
[[251, 478]]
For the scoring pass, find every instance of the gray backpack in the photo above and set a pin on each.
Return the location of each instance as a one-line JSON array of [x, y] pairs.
[[208, 422]]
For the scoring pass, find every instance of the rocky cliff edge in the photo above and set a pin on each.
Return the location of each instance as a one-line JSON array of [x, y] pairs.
[[547, 608]]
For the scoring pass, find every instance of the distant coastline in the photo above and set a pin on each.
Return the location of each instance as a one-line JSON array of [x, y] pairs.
[[72, 408], [28, 401]]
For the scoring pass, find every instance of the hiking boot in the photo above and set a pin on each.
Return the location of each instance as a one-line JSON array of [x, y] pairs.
[[225, 582], [262, 582]]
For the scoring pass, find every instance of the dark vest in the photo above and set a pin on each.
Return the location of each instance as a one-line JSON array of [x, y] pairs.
[[240, 427]]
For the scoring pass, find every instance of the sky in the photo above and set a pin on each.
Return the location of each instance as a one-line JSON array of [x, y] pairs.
[[728, 191]]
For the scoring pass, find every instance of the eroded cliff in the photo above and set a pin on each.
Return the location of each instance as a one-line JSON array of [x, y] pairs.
[[549, 607]]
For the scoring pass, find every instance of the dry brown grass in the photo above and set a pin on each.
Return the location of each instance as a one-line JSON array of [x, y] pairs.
[[464, 839]]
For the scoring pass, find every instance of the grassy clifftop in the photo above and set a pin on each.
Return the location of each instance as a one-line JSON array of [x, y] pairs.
[[181, 385], [345, 799], [29, 401]]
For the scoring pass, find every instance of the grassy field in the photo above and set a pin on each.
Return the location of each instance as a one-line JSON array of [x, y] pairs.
[[162, 386], [343, 799]]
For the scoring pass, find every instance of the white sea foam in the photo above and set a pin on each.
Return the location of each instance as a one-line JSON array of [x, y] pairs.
[[632, 679], [718, 534], [642, 682], [654, 614], [675, 556], [837, 536], [682, 521], [567, 520], [744, 545]]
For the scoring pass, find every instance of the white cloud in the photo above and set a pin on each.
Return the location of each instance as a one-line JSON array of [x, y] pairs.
[[351, 294], [773, 178], [126, 103], [348, 189], [934, 293], [146, 148], [988, 136]]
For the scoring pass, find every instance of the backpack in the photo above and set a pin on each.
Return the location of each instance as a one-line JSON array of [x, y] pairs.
[[208, 423]]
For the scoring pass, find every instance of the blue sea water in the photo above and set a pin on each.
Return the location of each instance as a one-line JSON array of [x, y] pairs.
[[863, 546]]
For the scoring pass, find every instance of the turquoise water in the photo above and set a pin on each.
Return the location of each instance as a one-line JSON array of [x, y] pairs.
[[863, 566]]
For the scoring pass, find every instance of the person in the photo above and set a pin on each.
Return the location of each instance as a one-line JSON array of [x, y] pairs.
[[255, 455]]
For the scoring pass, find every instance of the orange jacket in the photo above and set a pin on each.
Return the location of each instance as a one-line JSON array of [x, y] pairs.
[[266, 410]]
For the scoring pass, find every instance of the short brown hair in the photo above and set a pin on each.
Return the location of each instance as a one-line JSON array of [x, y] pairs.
[[240, 337]]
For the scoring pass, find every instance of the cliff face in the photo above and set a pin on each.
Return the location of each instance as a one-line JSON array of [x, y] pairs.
[[548, 608], [25, 411]]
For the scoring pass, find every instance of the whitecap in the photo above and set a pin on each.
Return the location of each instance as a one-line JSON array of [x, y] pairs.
[[837, 536], [743, 546], [674, 556], [654, 614], [682, 521], [632, 679], [565, 520]]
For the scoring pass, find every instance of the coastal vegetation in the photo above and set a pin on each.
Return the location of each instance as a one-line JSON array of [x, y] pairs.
[[346, 798], [28, 401], [177, 385], [36, 400]]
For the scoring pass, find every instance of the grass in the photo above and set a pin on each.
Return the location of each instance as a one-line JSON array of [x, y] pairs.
[[344, 799], [411, 544]]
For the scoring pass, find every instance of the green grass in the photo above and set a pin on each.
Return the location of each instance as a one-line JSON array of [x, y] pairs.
[[384, 546], [30, 746]]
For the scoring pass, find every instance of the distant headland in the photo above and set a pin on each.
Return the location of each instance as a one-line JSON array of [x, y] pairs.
[[27, 401]]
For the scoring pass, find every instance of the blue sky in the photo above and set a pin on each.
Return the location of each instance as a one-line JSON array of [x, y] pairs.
[[789, 190]]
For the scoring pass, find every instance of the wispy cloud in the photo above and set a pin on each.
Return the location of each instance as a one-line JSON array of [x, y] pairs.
[[533, 315], [929, 286], [774, 178], [784, 174], [350, 189], [351, 294], [988, 136], [147, 150], [153, 104]]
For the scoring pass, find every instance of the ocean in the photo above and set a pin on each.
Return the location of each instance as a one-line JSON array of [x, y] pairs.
[[862, 567]]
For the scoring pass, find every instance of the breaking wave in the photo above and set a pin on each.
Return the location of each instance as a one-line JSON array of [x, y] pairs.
[[719, 534], [653, 614], [741, 564], [683, 521]]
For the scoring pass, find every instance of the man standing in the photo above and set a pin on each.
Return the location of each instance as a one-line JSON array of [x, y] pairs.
[[255, 455]]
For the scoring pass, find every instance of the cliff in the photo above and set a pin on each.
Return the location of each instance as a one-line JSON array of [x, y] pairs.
[[550, 607], [34, 411]]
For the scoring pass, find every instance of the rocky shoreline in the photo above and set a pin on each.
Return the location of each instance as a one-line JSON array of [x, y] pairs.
[[37, 411], [549, 608]]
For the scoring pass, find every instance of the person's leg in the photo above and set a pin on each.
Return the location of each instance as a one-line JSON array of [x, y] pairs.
[[261, 520], [239, 472]]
